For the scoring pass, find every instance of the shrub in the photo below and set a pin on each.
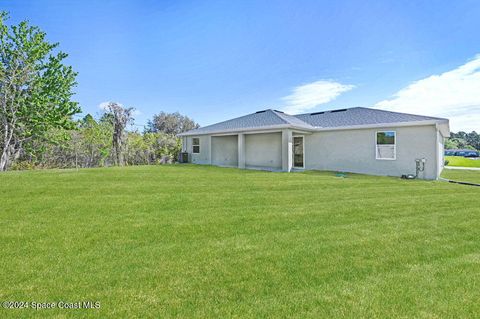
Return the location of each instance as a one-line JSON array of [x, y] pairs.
[[22, 165]]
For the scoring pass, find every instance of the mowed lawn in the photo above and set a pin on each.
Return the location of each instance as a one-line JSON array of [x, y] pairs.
[[462, 161], [471, 176], [197, 241]]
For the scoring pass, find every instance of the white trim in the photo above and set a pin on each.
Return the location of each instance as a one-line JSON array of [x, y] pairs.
[[394, 146], [381, 125], [293, 153], [242, 130], [254, 130], [247, 132]]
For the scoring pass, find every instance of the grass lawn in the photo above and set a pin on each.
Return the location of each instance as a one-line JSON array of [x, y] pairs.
[[198, 241], [472, 176], [462, 161]]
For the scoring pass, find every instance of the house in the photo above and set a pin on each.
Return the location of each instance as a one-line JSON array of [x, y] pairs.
[[357, 140]]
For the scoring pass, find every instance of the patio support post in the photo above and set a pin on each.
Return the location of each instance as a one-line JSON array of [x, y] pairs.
[[241, 150], [287, 157], [209, 139]]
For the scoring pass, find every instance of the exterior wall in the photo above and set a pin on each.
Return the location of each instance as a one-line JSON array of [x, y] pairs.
[[263, 150], [337, 150], [354, 151], [225, 150], [441, 153], [204, 156]]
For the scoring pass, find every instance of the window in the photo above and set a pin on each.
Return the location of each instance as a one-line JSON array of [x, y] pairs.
[[385, 145], [195, 145]]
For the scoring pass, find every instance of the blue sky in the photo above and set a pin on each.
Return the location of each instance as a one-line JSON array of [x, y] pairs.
[[214, 60]]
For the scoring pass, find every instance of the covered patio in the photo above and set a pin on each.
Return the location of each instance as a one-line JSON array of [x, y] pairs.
[[281, 150]]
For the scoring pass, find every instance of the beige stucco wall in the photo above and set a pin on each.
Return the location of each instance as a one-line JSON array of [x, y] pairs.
[[354, 151], [263, 150], [339, 150], [225, 150]]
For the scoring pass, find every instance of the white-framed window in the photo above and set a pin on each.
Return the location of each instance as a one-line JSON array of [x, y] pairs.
[[385, 145], [195, 145]]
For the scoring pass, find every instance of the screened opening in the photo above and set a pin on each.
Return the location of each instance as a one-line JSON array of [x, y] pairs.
[[298, 152]]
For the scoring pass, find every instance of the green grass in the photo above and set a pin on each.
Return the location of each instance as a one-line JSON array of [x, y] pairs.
[[472, 176], [198, 241], [462, 161]]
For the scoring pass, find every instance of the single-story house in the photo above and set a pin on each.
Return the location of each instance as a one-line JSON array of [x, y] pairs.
[[357, 140]]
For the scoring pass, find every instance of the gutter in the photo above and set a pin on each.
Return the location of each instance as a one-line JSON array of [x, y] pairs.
[[249, 129], [380, 125]]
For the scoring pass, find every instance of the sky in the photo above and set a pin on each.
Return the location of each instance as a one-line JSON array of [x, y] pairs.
[[215, 60]]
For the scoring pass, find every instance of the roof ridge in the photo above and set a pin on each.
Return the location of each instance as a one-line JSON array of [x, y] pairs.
[[387, 111], [235, 118], [282, 114], [326, 111], [278, 115]]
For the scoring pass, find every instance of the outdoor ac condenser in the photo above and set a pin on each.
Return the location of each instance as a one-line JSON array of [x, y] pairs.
[[183, 157]]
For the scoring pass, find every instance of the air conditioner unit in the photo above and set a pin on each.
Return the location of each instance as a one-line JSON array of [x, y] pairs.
[[183, 157]]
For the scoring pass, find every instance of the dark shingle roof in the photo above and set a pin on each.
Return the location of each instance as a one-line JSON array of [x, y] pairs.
[[255, 120], [359, 116], [328, 119]]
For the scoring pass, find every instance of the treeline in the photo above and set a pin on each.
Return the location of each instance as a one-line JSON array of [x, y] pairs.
[[97, 142], [463, 140], [37, 114]]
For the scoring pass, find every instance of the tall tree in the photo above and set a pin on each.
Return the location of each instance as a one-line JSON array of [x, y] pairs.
[[35, 89], [121, 117], [170, 123], [473, 139]]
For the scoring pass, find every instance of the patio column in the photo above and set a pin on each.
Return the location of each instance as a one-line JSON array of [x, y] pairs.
[[209, 142], [241, 150], [287, 157]]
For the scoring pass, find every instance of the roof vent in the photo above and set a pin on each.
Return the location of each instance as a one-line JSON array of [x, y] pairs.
[[261, 111], [278, 111], [316, 113], [335, 111]]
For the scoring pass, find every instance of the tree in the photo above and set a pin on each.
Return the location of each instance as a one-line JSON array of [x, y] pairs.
[[96, 141], [451, 144], [473, 139], [121, 117], [35, 89], [170, 123], [463, 140]]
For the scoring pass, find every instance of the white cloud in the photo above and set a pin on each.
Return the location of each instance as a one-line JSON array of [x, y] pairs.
[[308, 96], [453, 94], [104, 105]]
